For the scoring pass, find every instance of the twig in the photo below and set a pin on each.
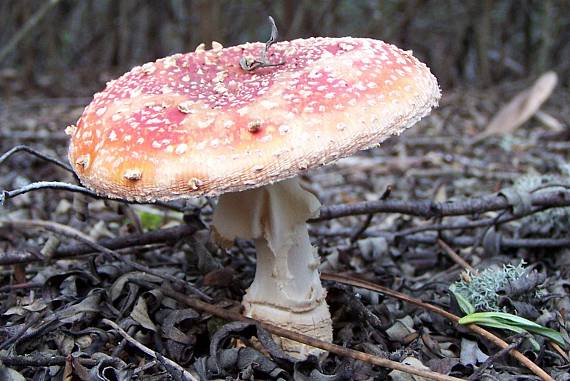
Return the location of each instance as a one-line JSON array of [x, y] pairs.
[[359, 231], [21, 332], [27, 28], [81, 237], [362, 228], [485, 222], [473, 327], [41, 360], [57, 185], [74, 250], [461, 241], [454, 256], [155, 355], [420, 208], [430, 209], [6, 195], [33, 152], [337, 349], [252, 64]]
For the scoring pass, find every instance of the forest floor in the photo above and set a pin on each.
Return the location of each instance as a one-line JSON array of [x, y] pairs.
[[59, 300]]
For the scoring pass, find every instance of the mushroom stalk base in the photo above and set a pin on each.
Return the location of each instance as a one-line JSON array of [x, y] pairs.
[[286, 290]]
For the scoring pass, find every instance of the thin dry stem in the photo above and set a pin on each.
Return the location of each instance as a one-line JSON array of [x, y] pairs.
[[454, 256], [148, 351]]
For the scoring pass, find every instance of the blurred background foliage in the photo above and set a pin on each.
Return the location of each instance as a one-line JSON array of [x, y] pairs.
[[465, 42]]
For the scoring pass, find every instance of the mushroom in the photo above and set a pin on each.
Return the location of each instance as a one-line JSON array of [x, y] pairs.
[[199, 124]]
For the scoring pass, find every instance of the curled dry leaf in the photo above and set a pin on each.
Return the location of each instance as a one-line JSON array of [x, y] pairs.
[[8, 374], [398, 375]]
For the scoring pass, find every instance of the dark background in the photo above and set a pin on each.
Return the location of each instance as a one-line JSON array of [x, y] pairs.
[[79, 44]]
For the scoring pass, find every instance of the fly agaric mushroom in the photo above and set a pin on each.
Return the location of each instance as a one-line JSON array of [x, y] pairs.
[[201, 124]]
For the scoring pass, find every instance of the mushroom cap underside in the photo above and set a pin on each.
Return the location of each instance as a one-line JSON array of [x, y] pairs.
[[199, 124]]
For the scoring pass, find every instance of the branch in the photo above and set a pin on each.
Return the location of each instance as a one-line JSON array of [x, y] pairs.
[[74, 250], [34, 152], [171, 235], [431, 209], [6, 195], [41, 360], [57, 185]]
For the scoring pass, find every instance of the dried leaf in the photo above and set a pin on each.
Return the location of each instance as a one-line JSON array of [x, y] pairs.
[[76, 312], [9, 374], [220, 277], [401, 328], [521, 108], [524, 285], [174, 319], [471, 354], [373, 248], [68, 370], [119, 284], [140, 315], [398, 375]]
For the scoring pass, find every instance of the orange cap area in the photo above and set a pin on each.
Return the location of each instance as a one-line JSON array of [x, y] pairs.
[[198, 124]]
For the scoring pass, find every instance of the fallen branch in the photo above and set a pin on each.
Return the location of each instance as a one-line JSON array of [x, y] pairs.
[[41, 360], [433, 209]]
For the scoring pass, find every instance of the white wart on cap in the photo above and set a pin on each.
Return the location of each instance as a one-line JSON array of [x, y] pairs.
[[198, 124]]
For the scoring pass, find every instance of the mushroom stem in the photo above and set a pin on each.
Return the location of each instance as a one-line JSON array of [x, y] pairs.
[[286, 290]]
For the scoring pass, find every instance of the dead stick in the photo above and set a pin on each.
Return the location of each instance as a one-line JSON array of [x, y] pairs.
[[430, 209], [475, 328], [75, 250], [454, 256]]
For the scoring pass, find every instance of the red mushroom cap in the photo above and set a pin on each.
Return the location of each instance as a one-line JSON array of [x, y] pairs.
[[198, 124]]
